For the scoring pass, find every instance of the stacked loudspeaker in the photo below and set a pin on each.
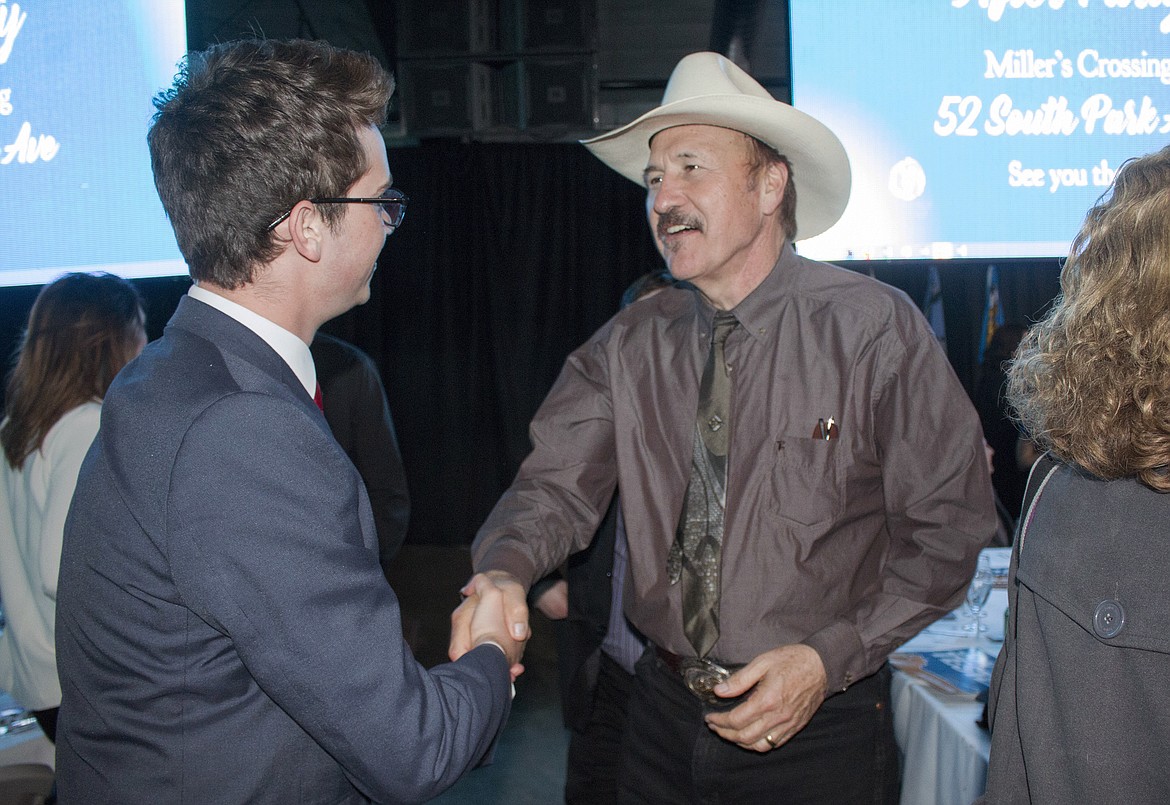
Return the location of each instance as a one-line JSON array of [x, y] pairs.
[[498, 69]]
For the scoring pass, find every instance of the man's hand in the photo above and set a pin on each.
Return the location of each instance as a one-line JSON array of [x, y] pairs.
[[553, 600], [789, 684], [494, 611]]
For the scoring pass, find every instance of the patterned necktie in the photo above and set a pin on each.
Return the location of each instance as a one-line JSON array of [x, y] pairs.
[[694, 557]]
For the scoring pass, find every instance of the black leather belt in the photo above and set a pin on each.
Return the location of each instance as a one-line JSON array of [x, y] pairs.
[[699, 674]]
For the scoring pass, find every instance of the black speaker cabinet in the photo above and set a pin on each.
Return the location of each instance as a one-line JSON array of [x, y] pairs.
[[445, 97], [560, 92], [446, 27], [558, 24]]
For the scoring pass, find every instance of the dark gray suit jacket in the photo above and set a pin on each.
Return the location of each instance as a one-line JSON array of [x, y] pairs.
[[359, 416], [224, 632]]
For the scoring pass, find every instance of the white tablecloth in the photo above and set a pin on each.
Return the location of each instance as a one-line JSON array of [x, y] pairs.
[[944, 750], [26, 747], [21, 742]]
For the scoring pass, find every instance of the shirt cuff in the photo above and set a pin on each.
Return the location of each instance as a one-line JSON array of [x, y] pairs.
[[501, 648], [842, 653]]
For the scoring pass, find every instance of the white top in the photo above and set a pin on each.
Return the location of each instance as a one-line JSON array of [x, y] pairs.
[[33, 504], [288, 346]]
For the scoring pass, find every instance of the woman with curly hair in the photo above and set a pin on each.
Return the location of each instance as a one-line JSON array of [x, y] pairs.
[[1078, 703], [82, 329]]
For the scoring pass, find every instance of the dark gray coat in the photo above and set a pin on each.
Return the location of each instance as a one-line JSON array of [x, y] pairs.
[[1080, 698]]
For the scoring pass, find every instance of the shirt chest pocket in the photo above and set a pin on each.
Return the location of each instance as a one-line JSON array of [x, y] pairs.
[[805, 481]]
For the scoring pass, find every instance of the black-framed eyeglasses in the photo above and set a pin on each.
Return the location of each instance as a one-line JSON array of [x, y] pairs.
[[392, 204]]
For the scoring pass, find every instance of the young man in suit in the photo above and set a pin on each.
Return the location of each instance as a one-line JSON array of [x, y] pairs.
[[224, 630]]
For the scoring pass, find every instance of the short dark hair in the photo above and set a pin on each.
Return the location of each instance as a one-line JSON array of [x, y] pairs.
[[250, 128], [760, 156]]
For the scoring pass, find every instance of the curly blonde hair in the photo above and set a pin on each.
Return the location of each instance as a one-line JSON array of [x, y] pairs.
[[1091, 382]]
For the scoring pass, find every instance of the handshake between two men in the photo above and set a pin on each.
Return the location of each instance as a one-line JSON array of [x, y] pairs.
[[488, 615]]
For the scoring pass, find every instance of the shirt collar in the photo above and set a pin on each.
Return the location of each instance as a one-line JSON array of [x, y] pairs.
[[760, 310], [289, 347]]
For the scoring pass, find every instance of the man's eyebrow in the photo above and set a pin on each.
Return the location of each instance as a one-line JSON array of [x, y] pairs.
[[681, 156]]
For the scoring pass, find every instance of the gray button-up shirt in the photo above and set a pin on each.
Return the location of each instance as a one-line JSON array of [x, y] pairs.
[[850, 544]]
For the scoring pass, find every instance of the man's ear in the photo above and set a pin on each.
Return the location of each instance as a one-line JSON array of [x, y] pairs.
[[306, 231], [773, 182]]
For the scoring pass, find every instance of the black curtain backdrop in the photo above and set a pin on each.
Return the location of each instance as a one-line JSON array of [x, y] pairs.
[[511, 256]]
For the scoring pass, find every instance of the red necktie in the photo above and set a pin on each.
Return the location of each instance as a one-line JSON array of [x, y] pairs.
[[317, 398]]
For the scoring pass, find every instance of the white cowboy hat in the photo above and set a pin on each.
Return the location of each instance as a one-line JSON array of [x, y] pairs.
[[709, 89]]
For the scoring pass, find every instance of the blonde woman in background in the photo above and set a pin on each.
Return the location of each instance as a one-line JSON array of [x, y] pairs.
[[82, 329]]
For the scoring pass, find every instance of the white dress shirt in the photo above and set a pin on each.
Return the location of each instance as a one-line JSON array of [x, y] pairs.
[[289, 347]]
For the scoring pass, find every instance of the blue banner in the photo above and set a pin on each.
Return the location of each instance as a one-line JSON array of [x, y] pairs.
[[979, 128], [76, 83]]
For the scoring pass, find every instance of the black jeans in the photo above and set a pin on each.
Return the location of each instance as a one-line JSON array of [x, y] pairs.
[[47, 720], [595, 753], [846, 754]]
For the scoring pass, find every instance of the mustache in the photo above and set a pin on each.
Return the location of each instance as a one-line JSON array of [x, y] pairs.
[[674, 217]]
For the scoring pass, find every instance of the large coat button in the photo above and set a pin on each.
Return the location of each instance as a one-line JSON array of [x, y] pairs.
[[1108, 619]]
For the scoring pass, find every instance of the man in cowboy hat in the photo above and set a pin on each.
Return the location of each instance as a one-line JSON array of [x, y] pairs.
[[801, 474]]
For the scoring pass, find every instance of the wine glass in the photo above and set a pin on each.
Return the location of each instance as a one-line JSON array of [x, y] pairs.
[[977, 592]]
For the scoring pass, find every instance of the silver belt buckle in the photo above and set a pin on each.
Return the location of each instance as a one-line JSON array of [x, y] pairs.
[[701, 675]]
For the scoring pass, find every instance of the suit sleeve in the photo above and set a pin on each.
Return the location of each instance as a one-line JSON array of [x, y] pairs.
[[268, 540]]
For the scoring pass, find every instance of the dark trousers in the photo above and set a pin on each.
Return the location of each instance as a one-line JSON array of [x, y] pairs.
[[846, 754], [47, 721], [595, 753]]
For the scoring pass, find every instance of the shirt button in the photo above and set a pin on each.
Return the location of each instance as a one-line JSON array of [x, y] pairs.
[[1108, 619]]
